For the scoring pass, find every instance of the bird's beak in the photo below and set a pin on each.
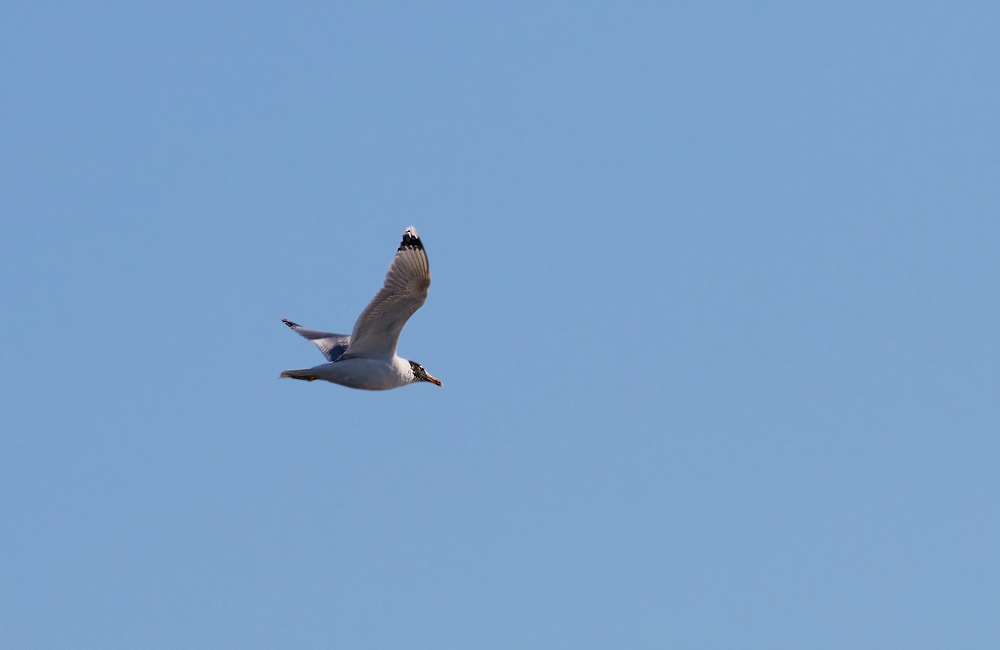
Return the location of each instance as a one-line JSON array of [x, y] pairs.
[[434, 380]]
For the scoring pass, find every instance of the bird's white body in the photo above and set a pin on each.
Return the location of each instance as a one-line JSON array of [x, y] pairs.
[[367, 357], [369, 374]]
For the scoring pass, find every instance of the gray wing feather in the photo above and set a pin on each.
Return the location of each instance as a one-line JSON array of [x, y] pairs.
[[331, 345], [377, 329]]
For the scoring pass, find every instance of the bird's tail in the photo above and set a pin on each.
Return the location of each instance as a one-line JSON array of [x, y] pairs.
[[306, 374]]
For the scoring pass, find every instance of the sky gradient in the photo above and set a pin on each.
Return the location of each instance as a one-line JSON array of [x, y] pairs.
[[714, 303]]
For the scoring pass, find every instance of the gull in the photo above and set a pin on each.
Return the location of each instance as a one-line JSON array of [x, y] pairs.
[[367, 358]]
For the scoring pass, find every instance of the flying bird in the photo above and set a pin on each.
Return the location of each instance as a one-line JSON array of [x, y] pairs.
[[367, 358]]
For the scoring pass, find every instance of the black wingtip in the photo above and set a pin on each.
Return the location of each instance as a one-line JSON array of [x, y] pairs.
[[411, 240]]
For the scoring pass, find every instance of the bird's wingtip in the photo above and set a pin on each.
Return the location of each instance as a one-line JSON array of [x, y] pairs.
[[410, 240]]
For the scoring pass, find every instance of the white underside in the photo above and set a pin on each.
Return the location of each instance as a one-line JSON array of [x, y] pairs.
[[367, 374]]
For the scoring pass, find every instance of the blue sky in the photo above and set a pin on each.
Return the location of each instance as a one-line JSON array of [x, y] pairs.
[[714, 306]]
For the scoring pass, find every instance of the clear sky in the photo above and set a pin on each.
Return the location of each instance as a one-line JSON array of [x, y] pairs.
[[715, 307]]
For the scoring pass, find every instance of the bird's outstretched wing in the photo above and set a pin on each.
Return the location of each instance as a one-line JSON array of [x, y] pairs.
[[405, 289], [331, 345]]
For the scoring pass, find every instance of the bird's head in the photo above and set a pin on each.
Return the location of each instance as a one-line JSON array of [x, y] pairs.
[[419, 374]]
